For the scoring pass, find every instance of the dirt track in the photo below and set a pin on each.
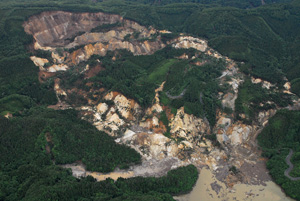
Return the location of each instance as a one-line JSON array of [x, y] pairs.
[[291, 167]]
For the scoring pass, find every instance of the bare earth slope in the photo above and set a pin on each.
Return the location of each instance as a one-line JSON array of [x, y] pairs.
[[70, 41]]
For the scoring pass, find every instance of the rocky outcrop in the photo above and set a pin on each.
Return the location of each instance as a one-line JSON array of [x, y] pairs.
[[150, 145], [265, 84], [140, 48], [59, 67], [188, 126], [238, 133], [264, 116], [233, 79], [187, 42], [113, 116], [40, 62], [127, 108]]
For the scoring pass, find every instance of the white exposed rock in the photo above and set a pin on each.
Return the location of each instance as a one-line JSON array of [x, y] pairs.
[[127, 107], [214, 54], [37, 46], [188, 126], [114, 121], [40, 62], [151, 146], [57, 58], [239, 134], [58, 90], [109, 96], [165, 31], [264, 116], [287, 86], [156, 108], [123, 105], [187, 42], [102, 108], [256, 80], [187, 144], [86, 108], [155, 121], [128, 134], [265, 84], [97, 117], [59, 67], [78, 171], [223, 122], [235, 84]]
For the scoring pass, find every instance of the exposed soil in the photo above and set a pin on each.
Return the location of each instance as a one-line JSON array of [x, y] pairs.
[[93, 71], [154, 168], [43, 76]]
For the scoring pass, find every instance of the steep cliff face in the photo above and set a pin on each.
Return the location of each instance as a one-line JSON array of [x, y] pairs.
[[54, 28], [71, 30]]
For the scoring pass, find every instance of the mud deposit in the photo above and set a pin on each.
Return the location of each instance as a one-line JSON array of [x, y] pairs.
[[208, 188]]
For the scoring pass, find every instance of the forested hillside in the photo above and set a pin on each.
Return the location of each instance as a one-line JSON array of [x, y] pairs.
[[28, 173], [281, 135], [264, 38]]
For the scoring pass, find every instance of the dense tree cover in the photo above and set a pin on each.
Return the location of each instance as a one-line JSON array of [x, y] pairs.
[[27, 170], [233, 3], [282, 134], [295, 88], [69, 138], [18, 74], [265, 38], [14, 103]]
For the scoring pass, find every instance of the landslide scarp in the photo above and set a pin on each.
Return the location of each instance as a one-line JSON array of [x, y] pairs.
[[55, 28], [90, 33], [167, 98]]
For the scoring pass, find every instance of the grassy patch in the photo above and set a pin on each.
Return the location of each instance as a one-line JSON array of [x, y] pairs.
[[14, 103], [159, 73]]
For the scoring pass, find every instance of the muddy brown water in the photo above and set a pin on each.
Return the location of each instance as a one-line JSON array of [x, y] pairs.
[[208, 188]]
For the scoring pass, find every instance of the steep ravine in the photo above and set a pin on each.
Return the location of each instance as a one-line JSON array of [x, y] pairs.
[[71, 42]]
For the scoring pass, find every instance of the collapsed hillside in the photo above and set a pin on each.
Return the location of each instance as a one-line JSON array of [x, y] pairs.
[[169, 96]]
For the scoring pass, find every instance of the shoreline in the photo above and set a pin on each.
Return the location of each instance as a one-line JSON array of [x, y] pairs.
[[209, 188]]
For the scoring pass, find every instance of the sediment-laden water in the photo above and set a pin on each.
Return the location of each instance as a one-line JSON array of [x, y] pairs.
[[208, 188]]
